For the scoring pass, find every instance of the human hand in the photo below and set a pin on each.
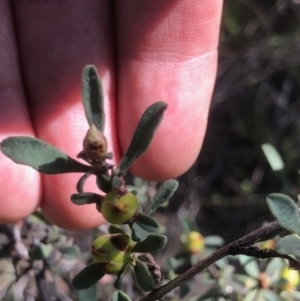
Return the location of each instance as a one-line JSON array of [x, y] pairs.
[[144, 51]]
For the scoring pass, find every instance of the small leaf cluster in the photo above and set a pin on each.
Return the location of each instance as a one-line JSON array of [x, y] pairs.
[[286, 212], [113, 252], [245, 278], [32, 249]]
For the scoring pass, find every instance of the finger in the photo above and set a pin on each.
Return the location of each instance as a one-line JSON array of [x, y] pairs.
[[20, 185], [167, 50], [67, 38]]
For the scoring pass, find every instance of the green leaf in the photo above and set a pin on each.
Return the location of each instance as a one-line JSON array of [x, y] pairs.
[[269, 295], [147, 223], [120, 296], [143, 135], [116, 182], [41, 251], [213, 241], [72, 252], [37, 218], [40, 155], [81, 181], [250, 265], [53, 233], [152, 243], [274, 265], [254, 294], [92, 97], [143, 276], [273, 156], [8, 274], [119, 277], [289, 244], [89, 294], [115, 229], [87, 277], [138, 233], [104, 183], [85, 198], [285, 211], [163, 194]]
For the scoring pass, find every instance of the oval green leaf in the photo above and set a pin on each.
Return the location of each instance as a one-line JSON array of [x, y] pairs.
[[147, 223], [143, 276], [85, 198], [120, 296], [289, 244], [103, 183], [143, 135], [152, 243], [87, 277], [92, 97], [163, 194], [272, 156], [40, 155], [138, 233], [116, 182], [71, 252], [285, 211], [250, 265], [115, 229], [81, 182], [41, 251], [89, 294], [119, 277], [213, 241]]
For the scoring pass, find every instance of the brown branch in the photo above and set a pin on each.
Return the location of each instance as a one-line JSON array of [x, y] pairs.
[[261, 234]]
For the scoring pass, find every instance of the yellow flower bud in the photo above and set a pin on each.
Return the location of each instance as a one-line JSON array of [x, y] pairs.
[[289, 278], [193, 242]]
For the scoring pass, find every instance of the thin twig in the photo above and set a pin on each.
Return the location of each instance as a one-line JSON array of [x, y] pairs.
[[261, 234]]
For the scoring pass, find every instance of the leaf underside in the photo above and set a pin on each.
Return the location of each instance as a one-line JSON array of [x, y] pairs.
[[143, 276], [40, 155], [285, 211], [92, 97], [147, 223], [115, 229], [163, 194], [289, 244], [120, 296], [119, 278], [153, 243], [138, 233], [143, 135], [87, 277], [85, 198]]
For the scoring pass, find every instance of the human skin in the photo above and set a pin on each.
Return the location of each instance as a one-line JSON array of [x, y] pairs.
[[144, 51]]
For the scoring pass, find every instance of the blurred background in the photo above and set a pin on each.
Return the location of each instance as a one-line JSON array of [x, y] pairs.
[[255, 101]]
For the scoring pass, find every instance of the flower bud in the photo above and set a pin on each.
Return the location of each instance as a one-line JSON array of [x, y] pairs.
[[112, 252], [95, 144], [118, 210], [193, 242], [289, 279]]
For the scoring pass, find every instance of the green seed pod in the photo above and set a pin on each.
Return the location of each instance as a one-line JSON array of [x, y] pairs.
[[112, 252], [95, 144], [118, 210]]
